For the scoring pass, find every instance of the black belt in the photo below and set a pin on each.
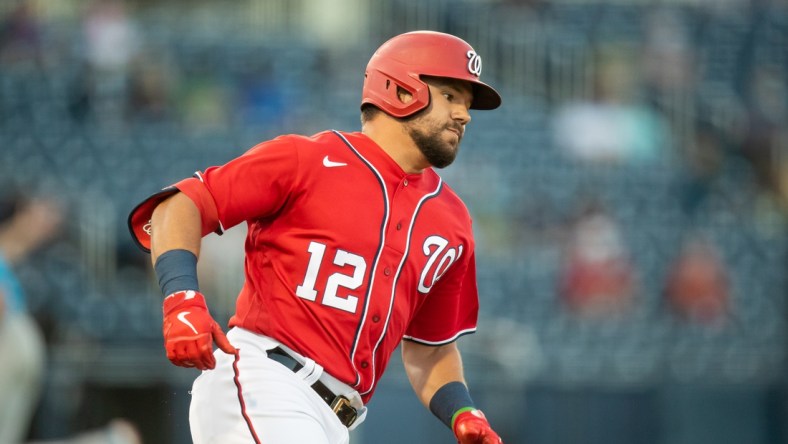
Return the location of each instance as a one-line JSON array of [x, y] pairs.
[[339, 404]]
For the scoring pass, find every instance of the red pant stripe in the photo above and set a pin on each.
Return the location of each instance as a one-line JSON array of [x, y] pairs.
[[237, 380]]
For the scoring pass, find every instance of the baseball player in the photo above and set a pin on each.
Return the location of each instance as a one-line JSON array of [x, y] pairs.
[[354, 244]]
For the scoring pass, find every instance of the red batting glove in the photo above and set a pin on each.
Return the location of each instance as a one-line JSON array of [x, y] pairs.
[[190, 331], [471, 427]]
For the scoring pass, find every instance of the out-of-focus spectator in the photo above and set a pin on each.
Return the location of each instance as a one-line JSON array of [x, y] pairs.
[[111, 40], [204, 100], [669, 59], [153, 85], [613, 127], [767, 122], [697, 284], [25, 225], [704, 158], [598, 278], [20, 39], [28, 223], [670, 69], [260, 99], [111, 43]]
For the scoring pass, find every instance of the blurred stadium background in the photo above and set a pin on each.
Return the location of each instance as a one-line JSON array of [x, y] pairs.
[[629, 199]]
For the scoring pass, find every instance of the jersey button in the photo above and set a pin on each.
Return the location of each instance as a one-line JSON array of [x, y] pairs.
[[376, 318], [405, 182], [387, 271], [399, 226], [364, 364]]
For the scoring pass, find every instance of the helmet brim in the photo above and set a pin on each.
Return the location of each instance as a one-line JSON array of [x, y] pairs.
[[485, 97]]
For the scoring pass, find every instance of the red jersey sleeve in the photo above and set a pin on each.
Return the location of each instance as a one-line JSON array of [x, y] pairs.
[[451, 308], [253, 185]]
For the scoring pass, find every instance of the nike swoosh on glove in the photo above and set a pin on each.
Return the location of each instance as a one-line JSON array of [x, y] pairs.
[[471, 427], [190, 331]]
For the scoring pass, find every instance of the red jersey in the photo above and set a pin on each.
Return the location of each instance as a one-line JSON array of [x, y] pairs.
[[346, 254]]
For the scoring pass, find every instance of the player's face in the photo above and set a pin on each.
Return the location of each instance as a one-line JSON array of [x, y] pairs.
[[438, 129]]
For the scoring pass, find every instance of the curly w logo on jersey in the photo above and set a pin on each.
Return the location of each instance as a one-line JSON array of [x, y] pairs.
[[435, 248]]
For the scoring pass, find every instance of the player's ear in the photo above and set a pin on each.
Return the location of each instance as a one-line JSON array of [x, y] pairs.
[[404, 95]]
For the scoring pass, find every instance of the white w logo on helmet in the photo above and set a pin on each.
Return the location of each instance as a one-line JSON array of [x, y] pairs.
[[474, 63]]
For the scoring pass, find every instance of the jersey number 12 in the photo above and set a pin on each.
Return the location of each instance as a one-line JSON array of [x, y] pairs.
[[349, 281]]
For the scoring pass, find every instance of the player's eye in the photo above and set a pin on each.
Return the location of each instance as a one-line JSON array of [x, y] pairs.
[[449, 96]]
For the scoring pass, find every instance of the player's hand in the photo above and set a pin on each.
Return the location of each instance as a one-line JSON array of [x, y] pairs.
[[471, 427], [190, 331]]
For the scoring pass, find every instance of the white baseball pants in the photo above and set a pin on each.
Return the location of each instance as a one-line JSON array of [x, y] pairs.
[[250, 398]]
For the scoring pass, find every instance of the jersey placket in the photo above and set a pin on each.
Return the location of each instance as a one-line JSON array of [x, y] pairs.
[[405, 202]]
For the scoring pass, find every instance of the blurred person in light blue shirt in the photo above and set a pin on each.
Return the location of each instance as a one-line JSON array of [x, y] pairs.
[[25, 225]]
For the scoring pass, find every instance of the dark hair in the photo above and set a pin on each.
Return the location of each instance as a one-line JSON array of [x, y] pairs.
[[368, 112]]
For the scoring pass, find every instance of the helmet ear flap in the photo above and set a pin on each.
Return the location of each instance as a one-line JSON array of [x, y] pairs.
[[382, 90]]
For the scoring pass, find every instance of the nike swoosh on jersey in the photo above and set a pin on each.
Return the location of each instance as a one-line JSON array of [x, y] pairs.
[[182, 317], [330, 163]]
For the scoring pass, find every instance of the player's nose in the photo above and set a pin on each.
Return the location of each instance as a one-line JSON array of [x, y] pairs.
[[461, 114]]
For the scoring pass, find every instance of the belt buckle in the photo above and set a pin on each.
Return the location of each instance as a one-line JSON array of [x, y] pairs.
[[345, 412]]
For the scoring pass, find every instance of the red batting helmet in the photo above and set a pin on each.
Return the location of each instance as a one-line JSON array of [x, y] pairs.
[[401, 61]]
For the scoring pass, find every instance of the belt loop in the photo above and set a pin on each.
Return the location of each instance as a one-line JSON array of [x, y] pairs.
[[311, 372]]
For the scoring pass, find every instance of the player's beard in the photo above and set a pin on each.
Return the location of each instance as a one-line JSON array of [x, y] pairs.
[[429, 137]]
